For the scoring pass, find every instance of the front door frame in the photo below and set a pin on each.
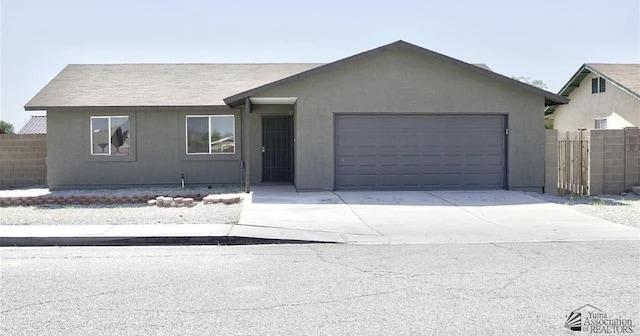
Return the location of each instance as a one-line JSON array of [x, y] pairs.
[[277, 153]]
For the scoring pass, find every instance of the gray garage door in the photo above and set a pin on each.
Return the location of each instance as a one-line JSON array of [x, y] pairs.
[[403, 152]]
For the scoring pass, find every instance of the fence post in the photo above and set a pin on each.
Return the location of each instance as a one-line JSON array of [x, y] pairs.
[[596, 162], [632, 157]]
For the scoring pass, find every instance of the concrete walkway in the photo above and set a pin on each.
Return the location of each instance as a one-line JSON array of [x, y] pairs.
[[281, 214]]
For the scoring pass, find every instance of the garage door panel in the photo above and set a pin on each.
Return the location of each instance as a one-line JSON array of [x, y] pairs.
[[495, 143], [420, 152]]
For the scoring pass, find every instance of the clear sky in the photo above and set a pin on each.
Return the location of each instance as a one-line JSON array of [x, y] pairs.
[[542, 39]]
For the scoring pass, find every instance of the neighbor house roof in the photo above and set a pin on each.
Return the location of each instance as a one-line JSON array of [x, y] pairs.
[[156, 84], [35, 125], [550, 98], [148, 85], [625, 76]]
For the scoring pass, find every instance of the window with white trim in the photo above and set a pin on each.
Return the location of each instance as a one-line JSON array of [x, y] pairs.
[[110, 135], [600, 123], [211, 134]]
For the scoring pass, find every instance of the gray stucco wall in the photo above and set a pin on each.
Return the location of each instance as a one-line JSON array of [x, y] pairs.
[[404, 81], [158, 155], [619, 107]]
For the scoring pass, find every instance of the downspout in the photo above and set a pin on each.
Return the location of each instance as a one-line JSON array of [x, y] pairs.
[[247, 148], [624, 161]]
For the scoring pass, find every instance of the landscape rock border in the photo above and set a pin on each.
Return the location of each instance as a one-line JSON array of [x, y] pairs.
[[176, 200]]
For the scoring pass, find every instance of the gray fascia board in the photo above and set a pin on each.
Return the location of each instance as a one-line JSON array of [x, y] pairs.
[[572, 81], [35, 108], [141, 107]]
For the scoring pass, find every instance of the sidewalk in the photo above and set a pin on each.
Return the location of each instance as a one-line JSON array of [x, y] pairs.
[[198, 232], [133, 235]]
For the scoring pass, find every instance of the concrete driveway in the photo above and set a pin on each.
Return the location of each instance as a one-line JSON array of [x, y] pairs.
[[420, 217]]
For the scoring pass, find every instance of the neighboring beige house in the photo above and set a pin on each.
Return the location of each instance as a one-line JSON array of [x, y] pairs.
[[394, 117], [602, 96]]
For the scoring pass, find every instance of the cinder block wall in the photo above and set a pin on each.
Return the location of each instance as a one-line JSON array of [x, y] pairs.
[[23, 160], [614, 160], [551, 162], [632, 157]]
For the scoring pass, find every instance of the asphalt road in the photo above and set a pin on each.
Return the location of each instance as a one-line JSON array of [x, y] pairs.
[[481, 289]]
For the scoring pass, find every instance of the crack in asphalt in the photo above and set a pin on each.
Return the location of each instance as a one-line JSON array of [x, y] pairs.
[[352, 267], [513, 279], [511, 249], [39, 257], [115, 291], [283, 305], [422, 277]]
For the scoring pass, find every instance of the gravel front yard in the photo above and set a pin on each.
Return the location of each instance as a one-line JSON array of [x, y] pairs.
[[615, 208], [119, 214]]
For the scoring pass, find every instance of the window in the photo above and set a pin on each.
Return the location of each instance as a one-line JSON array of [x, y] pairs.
[[601, 123], [603, 84], [214, 134], [110, 136], [598, 84]]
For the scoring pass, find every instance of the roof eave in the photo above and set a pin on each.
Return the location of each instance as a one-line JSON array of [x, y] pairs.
[[35, 108], [555, 101], [44, 108], [574, 82]]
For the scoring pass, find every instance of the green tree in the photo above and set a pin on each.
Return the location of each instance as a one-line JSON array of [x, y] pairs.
[[537, 83], [6, 127]]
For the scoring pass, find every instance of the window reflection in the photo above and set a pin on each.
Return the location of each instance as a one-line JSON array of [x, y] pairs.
[[210, 134], [110, 136]]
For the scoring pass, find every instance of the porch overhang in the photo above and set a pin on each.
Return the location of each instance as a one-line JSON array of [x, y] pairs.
[[273, 100]]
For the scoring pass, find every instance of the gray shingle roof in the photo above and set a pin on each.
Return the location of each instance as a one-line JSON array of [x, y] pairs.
[[80, 85], [201, 84], [35, 125], [156, 84]]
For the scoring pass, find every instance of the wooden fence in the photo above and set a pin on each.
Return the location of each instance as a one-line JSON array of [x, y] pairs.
[[573, 164]]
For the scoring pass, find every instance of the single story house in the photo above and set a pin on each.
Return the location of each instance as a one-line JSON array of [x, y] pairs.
[[603, 96], [395, 117], [35, 125]]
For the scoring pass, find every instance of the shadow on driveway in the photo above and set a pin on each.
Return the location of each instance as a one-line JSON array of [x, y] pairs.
[[287, 194]]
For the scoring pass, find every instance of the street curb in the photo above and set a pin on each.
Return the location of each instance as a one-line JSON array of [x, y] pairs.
[[147, 241]]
